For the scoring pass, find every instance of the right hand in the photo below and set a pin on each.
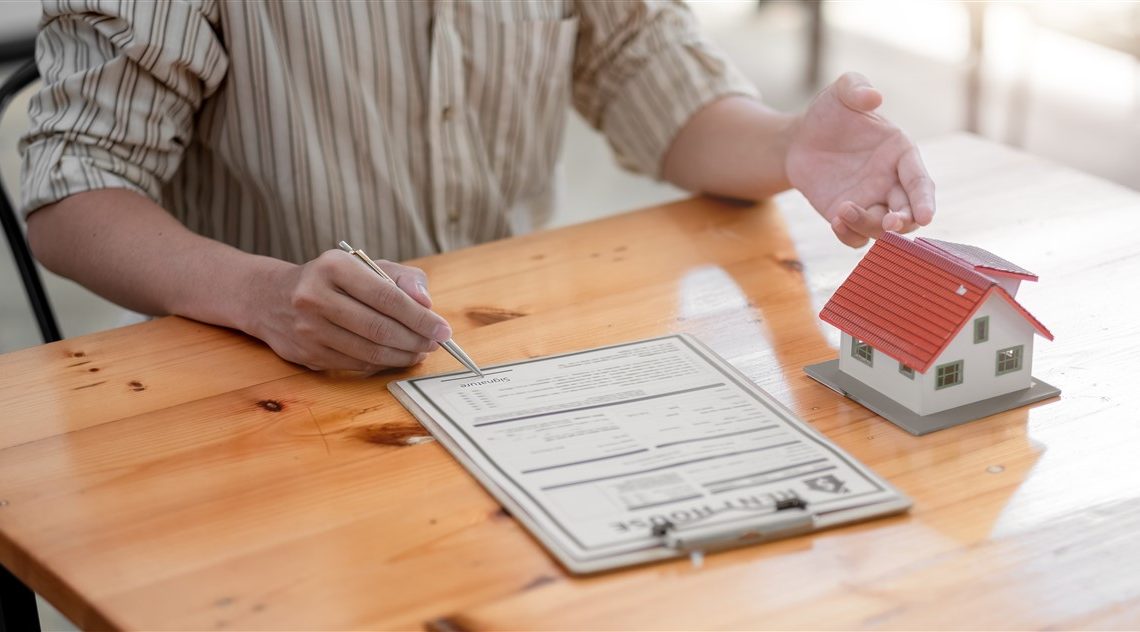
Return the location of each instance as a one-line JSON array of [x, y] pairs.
[[335, 313]]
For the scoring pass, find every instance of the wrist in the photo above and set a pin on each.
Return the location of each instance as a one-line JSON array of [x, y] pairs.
[[258, 293], [788, 127]]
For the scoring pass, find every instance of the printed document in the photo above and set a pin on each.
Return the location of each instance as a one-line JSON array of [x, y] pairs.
[[592, 449]]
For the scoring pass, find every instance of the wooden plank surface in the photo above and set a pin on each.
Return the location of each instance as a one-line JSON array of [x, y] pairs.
[[197, 482]]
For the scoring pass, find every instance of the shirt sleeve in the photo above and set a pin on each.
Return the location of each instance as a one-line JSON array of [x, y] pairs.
[[122, 83], [641, 70]]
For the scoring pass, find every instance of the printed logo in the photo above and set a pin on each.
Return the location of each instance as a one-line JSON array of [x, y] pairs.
[[829, 484]]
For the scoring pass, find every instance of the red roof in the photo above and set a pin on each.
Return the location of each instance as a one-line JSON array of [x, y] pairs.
[[909, 299], [979, 258]]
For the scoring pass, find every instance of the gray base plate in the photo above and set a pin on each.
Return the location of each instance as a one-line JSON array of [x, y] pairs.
[[828, 374]]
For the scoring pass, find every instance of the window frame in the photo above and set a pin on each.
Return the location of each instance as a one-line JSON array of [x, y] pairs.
[[906, 371], [961, 364], [984, 322], [856, 345], [1019, 356]]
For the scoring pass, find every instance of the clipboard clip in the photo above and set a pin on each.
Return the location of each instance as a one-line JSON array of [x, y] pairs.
[[790, 517]]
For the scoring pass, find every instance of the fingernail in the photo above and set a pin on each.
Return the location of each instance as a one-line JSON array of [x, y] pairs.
[[850, 214], [423, 290], [442, 333]]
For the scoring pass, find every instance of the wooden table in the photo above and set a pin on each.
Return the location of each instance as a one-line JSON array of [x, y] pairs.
[[176, 475]]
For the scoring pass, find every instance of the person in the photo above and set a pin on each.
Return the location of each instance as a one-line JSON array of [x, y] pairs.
[[202, 158]]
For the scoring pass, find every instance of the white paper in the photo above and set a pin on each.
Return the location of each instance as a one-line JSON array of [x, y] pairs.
[[598, 446]]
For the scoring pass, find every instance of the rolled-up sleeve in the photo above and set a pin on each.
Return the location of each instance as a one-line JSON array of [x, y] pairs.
[[641, 70], [122, 83]]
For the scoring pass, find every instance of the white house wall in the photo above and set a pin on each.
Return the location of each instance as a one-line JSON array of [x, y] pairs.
[[883, 375], [980, 380], [1006, 283], [1007, 329]]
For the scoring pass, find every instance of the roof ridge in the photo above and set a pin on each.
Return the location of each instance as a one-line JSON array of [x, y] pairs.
[[938, 259], [979, 258]]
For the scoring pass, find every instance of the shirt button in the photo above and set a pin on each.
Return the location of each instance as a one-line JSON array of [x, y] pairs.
[[447, 113]]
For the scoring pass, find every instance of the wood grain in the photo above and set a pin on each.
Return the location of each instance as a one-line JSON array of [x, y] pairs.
[[197, 482]]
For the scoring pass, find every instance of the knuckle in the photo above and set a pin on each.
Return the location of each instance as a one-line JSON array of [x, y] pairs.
[[379, 329], [385, 294], [378, 356], [304, 298]]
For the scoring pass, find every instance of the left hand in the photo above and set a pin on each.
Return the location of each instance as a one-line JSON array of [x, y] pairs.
[[860, 171]]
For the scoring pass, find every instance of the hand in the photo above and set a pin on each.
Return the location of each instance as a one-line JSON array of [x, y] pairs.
[[334, 313], [857, 169]]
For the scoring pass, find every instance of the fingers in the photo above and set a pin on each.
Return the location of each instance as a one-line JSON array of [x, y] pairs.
[[867, 222], [899, 219], [372, 327], [368, 355], [322, 358], [856, 92], [391, 301], [918, 185], [853, 224], [846, 234], [412, 281], [338, 314]]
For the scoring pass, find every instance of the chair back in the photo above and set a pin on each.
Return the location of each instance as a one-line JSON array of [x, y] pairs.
[[17, 242]]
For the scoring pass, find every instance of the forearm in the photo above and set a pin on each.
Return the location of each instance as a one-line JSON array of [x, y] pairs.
[[126, 248], [735, 147]]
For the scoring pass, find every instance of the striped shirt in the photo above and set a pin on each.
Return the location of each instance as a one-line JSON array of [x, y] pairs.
[[410, 127]]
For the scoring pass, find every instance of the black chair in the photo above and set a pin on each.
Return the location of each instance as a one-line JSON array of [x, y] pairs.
[[33, 286], [17, 601]]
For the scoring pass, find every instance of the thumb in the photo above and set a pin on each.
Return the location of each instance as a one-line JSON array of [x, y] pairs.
[[856, 92]]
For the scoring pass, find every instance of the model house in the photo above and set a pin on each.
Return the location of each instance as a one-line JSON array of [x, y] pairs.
[[934, 325]]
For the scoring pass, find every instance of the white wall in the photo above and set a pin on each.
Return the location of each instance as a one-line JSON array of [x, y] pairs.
[[1006, 283], [883, 375], [1007, 329]]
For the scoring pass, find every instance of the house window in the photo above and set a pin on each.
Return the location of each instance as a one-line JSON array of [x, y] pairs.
[[981, 329], [862, 352], [906, 370], [948, 375], [1009, 360]]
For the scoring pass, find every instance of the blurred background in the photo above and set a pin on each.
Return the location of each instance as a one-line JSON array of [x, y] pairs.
[[1058, 79]]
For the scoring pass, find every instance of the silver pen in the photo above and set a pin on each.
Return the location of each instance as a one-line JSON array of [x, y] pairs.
[[450, 345]]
